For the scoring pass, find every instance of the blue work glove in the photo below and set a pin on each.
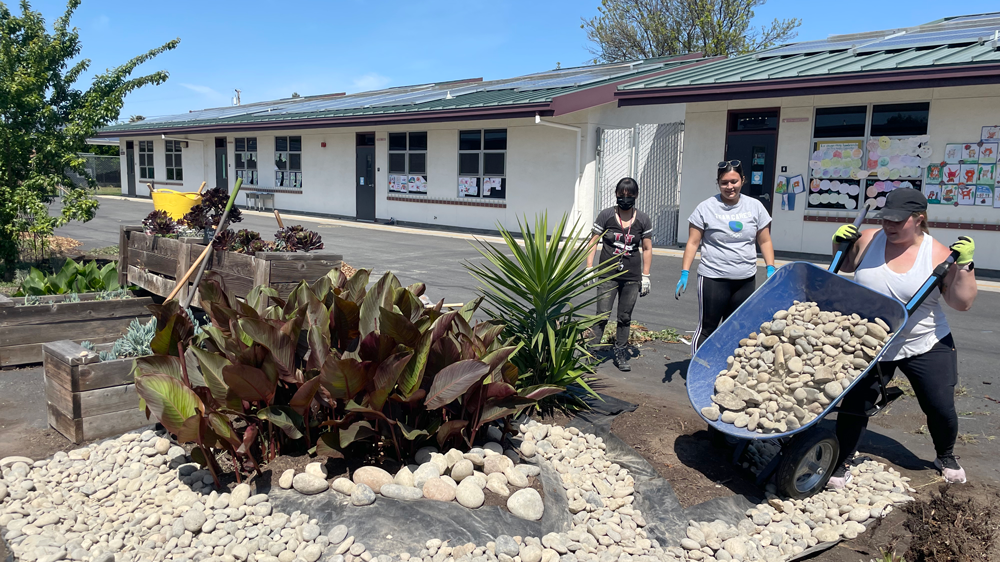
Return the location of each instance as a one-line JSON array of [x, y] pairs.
[[770, 271], [682, 284]]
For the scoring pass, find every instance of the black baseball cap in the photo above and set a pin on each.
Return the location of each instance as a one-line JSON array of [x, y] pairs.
[[903, 202]]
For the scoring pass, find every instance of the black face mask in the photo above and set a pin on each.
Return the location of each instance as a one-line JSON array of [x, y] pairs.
[[626, 203]]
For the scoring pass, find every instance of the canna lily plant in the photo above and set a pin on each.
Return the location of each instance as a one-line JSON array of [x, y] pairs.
[[337, 366]]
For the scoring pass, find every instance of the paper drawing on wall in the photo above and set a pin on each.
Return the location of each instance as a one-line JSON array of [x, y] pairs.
[[951, 173], [949, 193], [968, 173], [796, 184], [988, 153], [991, 133], [933, 193], [984, 195], [985, 173], [952, 153], [781, 186], [468, 187], [417, 184], [970, 153], [934, 173], [966, 195]]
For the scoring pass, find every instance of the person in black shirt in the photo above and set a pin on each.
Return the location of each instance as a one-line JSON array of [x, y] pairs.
[[622, 230]]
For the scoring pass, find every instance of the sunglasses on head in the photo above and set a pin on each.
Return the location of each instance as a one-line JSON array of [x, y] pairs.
[[733, 163]]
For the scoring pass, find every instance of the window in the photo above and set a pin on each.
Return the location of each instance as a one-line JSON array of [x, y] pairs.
[[753, 121], [482, 163], [836, 122], [288, 161], [408, 162], [146, 160], [246, 160], [175, 168], [899, 119]]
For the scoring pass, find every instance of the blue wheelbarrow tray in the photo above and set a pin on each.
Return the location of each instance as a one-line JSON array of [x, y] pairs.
[[798, 281]]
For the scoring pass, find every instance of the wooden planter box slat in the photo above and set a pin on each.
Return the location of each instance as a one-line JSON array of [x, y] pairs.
[[154, 263], [23, 329], [87, 398]]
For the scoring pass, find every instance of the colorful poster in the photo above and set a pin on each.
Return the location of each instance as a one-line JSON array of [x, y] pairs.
[[970, 153], [991, 133], [756, 178], [837, 159], [934, 173], [968, 173], [988, 153], [781, 186], [951, 173], [491, 185], [876, 190], [899, 158], [417, 184], [985, 173], [952, 153], [932, 192], [949, 194], [468, 187], [966, 194], [984, 195], [796, 184], [833, 194]]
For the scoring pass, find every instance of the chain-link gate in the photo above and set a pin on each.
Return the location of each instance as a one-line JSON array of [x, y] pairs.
[[106, 170], [652, 155]]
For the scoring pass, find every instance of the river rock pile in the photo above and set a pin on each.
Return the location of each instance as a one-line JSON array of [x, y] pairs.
[[802, 360], [452, 476]]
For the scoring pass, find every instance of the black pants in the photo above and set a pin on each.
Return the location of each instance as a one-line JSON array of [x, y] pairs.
[[933, 376], [627, 293], [717, 299]]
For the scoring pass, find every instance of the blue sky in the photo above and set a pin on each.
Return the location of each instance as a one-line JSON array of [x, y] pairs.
[[271, 49]]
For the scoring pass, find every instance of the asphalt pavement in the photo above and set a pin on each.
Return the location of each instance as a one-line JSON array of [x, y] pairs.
[[438, 259]]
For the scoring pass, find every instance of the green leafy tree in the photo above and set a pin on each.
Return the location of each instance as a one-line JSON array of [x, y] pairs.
[[45, 121], [136, 118], [643, 29]]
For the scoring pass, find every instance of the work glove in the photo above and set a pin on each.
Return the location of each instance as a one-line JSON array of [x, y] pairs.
[[591, 279], [770, 271], [847, 233], [644, 288], [682, 284], [965, 248]]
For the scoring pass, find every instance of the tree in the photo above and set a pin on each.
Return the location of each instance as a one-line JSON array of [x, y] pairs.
[[45, 120], [295, 95], [643, 29], [136, 118]]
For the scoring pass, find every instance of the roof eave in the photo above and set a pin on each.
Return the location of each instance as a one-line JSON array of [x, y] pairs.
[[516, 111], [965, 75]]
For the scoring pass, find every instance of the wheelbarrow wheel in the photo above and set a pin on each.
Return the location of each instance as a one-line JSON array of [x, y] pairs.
[[807, 463]]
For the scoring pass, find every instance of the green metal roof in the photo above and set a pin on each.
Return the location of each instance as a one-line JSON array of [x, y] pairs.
[[529, 92]]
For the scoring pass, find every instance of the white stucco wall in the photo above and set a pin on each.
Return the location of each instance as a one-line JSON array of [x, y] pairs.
[[957, 114]]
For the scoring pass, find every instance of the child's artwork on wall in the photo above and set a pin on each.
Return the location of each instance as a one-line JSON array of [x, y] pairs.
[[417, 184], [966, 194], [970, 153], [985, 173], [468, 187], [949, 194], [951, 173], [781, 186], [991, 133], [796, 184], [952, 153], [968, 173], [934, 173], [932, 192], [984, 195], [491, 186], [988, 153]]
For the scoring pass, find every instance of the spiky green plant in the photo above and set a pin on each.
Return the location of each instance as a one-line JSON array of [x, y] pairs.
[[117, 294], [31, 300], [72, 297], [539, 293]]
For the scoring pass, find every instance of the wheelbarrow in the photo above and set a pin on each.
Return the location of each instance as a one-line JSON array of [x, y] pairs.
[[807, 454]]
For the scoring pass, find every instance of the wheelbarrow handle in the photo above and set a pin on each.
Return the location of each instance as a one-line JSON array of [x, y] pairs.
[[935, 279], [844, 247]]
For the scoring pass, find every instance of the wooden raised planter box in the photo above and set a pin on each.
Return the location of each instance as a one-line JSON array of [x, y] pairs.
[[154, 263], [24, 329], [89, 398]]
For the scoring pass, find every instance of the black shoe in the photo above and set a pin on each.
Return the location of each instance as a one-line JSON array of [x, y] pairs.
[[621, 359]]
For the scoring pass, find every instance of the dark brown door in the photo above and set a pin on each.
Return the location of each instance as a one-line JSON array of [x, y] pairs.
[[221, 163], [130, 167], [752, 138], [365, 177]]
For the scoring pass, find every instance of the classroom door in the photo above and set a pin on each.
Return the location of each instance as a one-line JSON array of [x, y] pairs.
[[221, 163], [130, 167], [752, 139], [365, 177]]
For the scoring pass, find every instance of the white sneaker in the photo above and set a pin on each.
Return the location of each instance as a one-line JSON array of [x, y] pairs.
[[952, 472], [841, 476]]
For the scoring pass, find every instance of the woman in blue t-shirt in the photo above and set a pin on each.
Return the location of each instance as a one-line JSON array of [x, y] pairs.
[[726, 228]]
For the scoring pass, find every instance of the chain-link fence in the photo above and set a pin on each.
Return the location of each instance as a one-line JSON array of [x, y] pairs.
[[652, 155], [105, 169]]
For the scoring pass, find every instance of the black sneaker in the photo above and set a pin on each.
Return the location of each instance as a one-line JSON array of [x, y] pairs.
[[621, 359]]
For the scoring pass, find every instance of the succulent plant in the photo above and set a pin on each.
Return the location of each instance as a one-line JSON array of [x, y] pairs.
[[298, 239], [117, 294], [197, 218], [224, 240], [72, 297], [159, 222], [214, 200]]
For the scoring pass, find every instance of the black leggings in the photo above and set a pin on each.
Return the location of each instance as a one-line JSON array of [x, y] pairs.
[[717, 299], [933, 376], [627, 293]]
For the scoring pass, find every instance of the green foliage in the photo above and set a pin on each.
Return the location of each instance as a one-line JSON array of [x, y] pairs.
[[627, 30], [45, 120], [31, 300], [538, 291], [639, 334], [339, 365], [138, 339], [72, 297], [113, 295], [72, 278]]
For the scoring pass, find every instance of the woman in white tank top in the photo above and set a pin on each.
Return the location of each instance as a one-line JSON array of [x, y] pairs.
[[896, 260]]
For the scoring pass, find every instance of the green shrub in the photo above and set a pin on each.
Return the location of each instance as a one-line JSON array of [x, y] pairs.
[[337, 365], [72, 278], [539, 293]]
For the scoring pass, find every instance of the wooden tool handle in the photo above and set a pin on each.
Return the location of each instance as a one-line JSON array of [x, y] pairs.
[[183, 280], [277, 217], [201, 187]]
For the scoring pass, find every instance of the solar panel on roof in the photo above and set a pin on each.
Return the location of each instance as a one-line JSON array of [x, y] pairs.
[[931, 39], [807, 47]]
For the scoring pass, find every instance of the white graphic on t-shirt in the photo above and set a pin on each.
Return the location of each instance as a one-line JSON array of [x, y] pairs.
[[626, 247]]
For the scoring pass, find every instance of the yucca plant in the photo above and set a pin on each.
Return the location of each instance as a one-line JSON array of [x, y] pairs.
[[539, 293]]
